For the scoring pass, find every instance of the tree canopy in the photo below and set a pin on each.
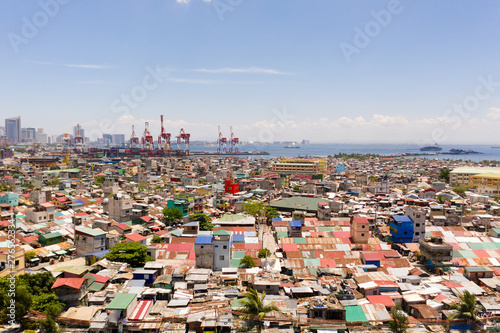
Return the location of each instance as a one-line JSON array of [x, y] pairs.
[[248, 262], [444, 174], [205, 221], [172, 214], [133, 254], [399, 322], [264, 253], [467, 307]]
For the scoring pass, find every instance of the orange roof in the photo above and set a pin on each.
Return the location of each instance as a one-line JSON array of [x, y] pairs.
[[74, 283]]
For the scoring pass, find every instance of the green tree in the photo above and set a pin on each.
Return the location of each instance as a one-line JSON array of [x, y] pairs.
[[497, 198], [133, 254], [172, 214], [440, 199], [252, 208], [467, 307], [40, 283], [55, 167], [271, 213], [372, 178], [28, 256], [49, 325], [45, 301], [254, 309], [296, 188], [99, 180], [460, 190], [23, 300], [156, 239], [248, 262], [444, 174], [399, 322], [264, 253], [205, 221]]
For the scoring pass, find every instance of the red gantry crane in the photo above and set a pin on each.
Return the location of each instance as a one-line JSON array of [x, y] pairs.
[[147, 139], [183, 138], [221, 143], [134, 140], [79, 141], [233, 143], [164, 140]]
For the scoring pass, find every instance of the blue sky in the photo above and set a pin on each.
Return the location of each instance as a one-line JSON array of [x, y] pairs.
[[274, 70]]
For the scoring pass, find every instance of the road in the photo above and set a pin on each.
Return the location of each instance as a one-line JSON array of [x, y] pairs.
[[267, 238]]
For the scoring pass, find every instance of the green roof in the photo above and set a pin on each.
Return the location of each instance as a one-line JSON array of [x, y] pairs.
[[121, 301], [96, 286], [232, 217], [92, 232], [354, 313], [298, 203], [54, 234], [477, 269], [221, 233], [238, 255], [299, 241]]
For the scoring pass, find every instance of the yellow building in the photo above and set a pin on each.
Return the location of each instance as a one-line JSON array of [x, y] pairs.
[[490, 179], [300, 166], [11, 263], [464, 175]]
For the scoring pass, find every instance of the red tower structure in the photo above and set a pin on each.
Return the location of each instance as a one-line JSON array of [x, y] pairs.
[[221, 143], [234, 143], [183, 138], [78, 137], [164, 140], [147, 139], [134, 140]]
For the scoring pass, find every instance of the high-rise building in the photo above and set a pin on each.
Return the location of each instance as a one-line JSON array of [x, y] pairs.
[[30, 135], [41, 136], [13, 129], [118, 139], [75, 130], [108, 138]]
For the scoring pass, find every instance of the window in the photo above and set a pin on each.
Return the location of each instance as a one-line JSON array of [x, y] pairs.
[[363, 226], [17, 262], [268, 287], [405, 233], [224, 247], [146, 276], [417, 233], [362, 235], [417, 225], [201, 247], [221, 257]]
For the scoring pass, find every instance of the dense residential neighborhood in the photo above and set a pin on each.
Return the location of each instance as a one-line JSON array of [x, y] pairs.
[[230, 244]]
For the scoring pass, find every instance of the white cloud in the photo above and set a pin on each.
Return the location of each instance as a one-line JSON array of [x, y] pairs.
[[248, 70], [494, 114], [183, 1], [85, 66]]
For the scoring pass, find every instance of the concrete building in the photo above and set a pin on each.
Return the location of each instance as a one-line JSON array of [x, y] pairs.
[[435, 252], [11, 264], [11, 199], [222, 250], [119, 208], [45, 212], [89, 241], [360, 229], [13, 129], [300, 166], [204, 251], [417, 215]]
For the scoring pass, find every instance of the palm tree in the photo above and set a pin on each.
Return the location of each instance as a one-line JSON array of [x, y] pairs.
[[467, 308], [254, 308]]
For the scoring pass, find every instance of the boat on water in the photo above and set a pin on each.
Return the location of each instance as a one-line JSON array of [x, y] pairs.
[[434, 147], [461, 152], [292, 146]]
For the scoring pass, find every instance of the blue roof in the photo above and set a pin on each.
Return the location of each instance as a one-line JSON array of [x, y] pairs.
[[277, 219], [296, 224], [204, 239], [99, 254], [238, 238], [401, 218]]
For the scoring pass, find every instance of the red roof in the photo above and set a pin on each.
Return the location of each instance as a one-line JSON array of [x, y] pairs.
[[47, 204], [372, 255], [141, 309], [123, 226], [146, 218], [74, 283], [100, 278], [4, 223], [30, 239], [381, 299], [135, 237], [361, 220]]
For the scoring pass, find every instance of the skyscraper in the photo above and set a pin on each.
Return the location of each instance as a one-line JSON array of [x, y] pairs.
[[13, 129]]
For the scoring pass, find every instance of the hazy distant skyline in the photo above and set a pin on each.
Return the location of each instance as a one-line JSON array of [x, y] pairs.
[[326, 71]]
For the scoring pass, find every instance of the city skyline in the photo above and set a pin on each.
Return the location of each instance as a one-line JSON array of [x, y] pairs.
[[381, 72]]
